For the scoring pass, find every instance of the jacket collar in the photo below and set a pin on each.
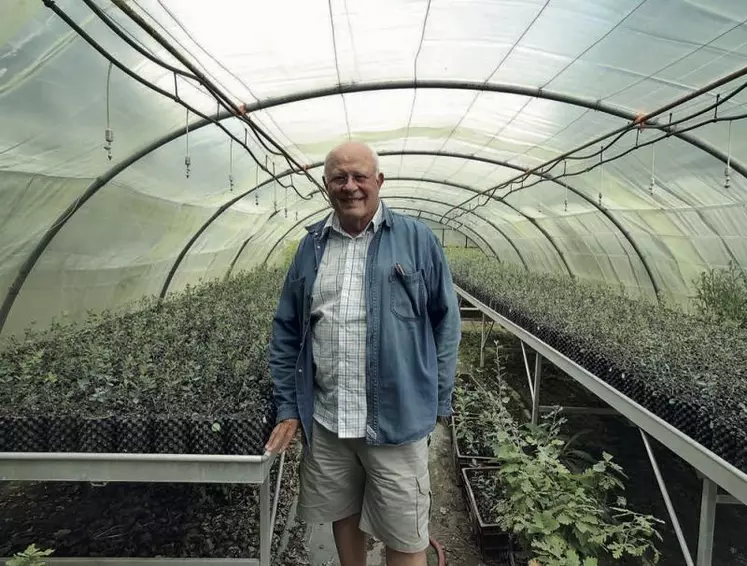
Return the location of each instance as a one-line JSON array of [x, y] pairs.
[[317, 229]]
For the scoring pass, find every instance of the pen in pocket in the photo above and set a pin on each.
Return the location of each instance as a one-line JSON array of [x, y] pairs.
[[401, 272]]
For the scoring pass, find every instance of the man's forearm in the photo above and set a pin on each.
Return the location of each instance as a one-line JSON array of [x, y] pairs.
[[448, 335]]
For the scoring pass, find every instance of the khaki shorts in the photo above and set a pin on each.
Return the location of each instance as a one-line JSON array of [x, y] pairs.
[[388, 485]]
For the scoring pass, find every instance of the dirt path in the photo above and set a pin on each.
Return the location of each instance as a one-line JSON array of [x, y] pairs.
[[449, 520]]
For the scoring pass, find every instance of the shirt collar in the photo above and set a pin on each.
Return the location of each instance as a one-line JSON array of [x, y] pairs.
[[333, 222]]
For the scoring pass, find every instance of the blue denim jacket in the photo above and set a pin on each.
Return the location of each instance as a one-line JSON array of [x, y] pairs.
[[413, 332]]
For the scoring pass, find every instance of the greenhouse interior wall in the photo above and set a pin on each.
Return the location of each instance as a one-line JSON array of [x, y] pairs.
[[148, 147]]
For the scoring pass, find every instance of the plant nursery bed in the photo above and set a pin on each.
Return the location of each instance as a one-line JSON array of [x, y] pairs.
[[602, 433], [170, 520], [189, 374], [689, 372]]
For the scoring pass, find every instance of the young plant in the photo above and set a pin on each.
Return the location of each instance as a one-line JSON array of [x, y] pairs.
[[32, 556], [721, 295], [562, 516]]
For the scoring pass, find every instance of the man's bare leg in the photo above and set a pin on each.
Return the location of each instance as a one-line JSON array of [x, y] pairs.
[[395, 558], [350, 541]]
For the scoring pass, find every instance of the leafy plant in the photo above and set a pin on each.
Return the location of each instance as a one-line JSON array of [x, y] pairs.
[[721, 295], [202, 350], [564, 517], [32, 556]]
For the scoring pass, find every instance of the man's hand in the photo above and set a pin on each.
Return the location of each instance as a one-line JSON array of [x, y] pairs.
[[282, 435]]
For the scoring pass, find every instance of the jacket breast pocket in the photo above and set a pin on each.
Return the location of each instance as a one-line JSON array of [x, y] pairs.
[[407, 294]]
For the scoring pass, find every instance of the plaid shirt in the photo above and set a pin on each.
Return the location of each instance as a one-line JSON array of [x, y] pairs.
[[338, 318]]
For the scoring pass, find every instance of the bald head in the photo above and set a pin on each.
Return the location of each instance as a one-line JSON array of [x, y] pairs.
[[350, 150], [352, 179]]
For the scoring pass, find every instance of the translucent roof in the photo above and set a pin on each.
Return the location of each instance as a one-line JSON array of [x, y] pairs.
[[458, 97]]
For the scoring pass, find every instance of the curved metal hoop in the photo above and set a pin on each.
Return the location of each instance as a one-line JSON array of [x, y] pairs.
[[392, 197], [565, 98]]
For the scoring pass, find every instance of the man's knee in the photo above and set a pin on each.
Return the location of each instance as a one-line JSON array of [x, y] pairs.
[[397, 558], [351, 521]]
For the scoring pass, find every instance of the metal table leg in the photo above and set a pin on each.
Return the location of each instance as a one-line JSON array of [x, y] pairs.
[[708, 502], [537, 381], [265, 528], [668, 502], [482, 342]]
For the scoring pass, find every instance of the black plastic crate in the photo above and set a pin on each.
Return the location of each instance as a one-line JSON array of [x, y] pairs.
[[461, 460], [496, 546]]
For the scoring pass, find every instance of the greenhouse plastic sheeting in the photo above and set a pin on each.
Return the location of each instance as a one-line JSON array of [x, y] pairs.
[[502, 86]]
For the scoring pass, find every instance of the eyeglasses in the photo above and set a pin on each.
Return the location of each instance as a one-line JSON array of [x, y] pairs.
[[341, 179]]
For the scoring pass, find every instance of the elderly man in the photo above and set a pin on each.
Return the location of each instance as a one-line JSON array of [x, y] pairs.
[[363, 357]]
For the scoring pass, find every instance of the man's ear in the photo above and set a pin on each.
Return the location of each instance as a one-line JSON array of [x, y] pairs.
[[380, 179]]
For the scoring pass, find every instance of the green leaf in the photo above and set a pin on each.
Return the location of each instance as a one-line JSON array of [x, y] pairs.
[[572, 559]]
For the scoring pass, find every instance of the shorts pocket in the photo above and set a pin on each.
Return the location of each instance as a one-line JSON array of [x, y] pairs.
[[407, 294], [423, 502]]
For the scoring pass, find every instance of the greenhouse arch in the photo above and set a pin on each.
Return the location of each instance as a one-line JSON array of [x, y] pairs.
[[475, 235], [351, 89]]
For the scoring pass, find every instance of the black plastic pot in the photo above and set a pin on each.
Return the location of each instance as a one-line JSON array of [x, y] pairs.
[[208, 435], [170, 434], [134, 434], [4, 429], [686, 416], [64, 433], [741, 440], [653, 398], [25, 433], [730, 440], [704, 427], [98, 434], [248, 434]]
